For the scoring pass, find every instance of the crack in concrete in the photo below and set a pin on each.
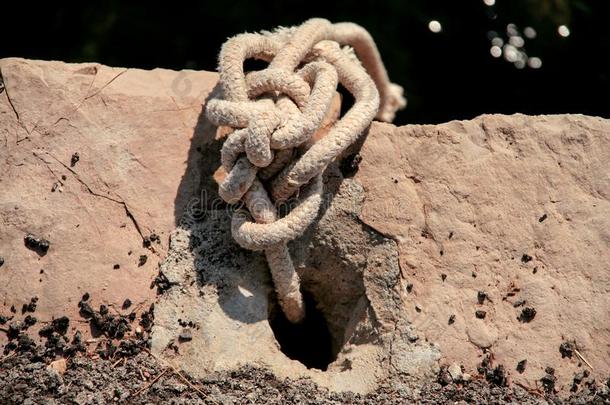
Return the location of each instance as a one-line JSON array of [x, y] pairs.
[[48, 168], [94, 193], [133, 220], [67, 117], [104, 86], [8, 97], [89, 189], [87, 97], [4, 87], [10, 102]]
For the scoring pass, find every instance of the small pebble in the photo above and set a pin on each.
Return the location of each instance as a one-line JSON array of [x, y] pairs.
[[39, 245], [567, 349], [451, 320], [126, 303], [527, 314], [75, 158]]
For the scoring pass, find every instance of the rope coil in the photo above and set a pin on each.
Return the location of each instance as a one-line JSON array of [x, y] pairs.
[[270, 157]]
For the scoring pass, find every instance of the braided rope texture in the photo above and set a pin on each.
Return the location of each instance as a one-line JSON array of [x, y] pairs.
[[270, 155]]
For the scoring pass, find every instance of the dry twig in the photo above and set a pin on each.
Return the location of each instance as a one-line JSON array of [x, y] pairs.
[[177, 372], [583, 359], [147, 386]]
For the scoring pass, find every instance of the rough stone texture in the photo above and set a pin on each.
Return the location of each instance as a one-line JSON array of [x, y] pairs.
[[522, 204], [133, 131]]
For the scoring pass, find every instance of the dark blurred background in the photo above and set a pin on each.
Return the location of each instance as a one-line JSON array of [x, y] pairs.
[[456, 59]]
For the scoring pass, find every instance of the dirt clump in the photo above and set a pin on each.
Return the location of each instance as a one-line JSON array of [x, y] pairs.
[[38, 245]]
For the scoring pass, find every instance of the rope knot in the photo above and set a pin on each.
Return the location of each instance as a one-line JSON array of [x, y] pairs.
[[274, 114], [257, 142]]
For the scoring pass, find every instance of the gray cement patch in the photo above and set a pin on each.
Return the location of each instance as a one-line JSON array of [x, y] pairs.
[[223, 296]]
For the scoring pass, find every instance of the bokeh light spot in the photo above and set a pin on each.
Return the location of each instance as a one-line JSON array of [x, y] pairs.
[[516, 41], [435, 26], [529, 32], [510, 53], [511, 30], [497, 41], [534, 62], [563, 30]]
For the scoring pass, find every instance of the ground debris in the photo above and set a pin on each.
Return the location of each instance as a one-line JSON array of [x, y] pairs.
[[162, 283], [31, 306], [549, 379], [89, 380], [567, 349], [494, 375], [74, 159], [59, 325], [451, 319], [527, 314], [38, 245], [148, 240]]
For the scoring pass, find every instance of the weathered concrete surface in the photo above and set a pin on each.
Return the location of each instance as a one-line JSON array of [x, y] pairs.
[[133, 131], [223, 297], [514, 206], [477, 191], [351, 271]]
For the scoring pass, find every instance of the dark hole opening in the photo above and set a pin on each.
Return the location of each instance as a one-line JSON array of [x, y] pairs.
[[347, 100], [309, 342], [252, 64]]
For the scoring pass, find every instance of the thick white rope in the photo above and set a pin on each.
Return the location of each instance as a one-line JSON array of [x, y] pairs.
[[269, 157]]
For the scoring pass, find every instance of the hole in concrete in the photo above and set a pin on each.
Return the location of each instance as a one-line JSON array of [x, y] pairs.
[[309, 342], [331, 268]]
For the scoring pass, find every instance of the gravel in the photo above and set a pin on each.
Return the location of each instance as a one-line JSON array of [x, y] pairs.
[[142, 379]]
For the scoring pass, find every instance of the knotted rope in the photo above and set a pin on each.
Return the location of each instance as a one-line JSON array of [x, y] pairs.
[[270, 156]]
